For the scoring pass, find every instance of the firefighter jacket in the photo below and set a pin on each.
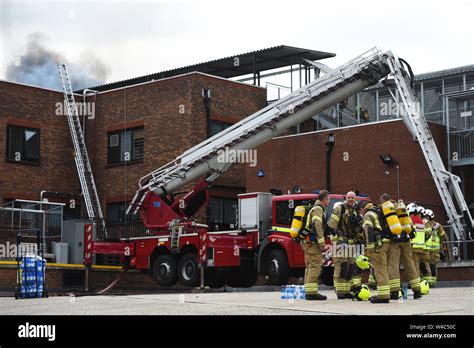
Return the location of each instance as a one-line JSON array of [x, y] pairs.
[[316, 223], [418, 243], [344, 223]]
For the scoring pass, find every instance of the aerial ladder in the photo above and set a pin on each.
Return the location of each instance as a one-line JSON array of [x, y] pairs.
[[333, 87], [81, 157]]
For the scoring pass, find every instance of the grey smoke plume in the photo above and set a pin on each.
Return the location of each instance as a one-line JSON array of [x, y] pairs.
[[37, 66]]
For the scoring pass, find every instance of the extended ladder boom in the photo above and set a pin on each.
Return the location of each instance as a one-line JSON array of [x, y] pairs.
[[202, 159], [416, 123], [84, 169]]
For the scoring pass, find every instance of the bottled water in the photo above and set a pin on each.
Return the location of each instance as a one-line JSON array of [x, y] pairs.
[[292, 292]]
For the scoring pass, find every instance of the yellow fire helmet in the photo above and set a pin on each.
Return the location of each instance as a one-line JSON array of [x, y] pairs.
[[362, 262], [425, 287], [364, 293]]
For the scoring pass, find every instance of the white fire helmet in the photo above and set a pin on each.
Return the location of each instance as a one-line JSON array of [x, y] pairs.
[[411, 208]]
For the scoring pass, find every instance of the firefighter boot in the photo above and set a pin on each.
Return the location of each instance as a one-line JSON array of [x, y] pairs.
[[317, 297], [376, 299], [416, 294], [394, 295]]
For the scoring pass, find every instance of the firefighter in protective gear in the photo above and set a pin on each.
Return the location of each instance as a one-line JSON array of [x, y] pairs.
[[433, 244], [344, 224], [402, 252], [425, 259], [378, 246], [314, 246], [418, 243]]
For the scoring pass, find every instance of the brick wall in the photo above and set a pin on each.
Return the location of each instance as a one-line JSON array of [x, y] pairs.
[[301, 160], [34, 107]]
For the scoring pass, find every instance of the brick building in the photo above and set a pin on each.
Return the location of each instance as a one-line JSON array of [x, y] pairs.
[[134, 130]]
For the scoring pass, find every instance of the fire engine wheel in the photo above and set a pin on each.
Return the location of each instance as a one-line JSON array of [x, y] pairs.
[[164, 270], [188, 271], [278, 270]]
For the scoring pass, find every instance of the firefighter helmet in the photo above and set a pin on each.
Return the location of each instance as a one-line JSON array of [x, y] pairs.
[[420, 210], [362, 262], [425, 287], [411, 208], [363, 294], [429, 212]]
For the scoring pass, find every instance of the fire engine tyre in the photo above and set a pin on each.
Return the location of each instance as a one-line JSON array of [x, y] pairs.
[[278, 270], [164, 270], [188, 271]]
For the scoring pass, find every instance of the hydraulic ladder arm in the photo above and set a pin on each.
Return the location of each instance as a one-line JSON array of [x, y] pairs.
[[271, 121]]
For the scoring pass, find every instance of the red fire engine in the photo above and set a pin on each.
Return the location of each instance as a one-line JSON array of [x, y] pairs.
[[176, 247]]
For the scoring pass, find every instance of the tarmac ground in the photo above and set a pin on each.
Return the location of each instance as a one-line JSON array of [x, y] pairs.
[[440, 301]]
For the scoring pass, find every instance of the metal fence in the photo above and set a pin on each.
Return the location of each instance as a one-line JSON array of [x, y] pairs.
[[24, 214]]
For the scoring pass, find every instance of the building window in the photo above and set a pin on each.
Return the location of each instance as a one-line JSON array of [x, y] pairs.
[[216, 127], [222, 214], [23, 144], [126, 145]]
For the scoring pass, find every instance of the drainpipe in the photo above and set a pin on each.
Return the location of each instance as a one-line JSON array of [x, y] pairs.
[[84, 95], [329, 146]]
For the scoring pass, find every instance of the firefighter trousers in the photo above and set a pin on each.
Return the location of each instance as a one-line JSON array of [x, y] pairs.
[[313, 259], [402, 253], [434, 260], [417, 257], [379, 260], [341, 285], [425, 266]]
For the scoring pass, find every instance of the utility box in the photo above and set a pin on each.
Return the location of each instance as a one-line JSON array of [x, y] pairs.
[[255, 212], [73, 234], [61, 252]]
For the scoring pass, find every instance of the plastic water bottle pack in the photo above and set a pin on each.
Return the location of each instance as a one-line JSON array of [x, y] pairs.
[[32, 276], [292, 292]]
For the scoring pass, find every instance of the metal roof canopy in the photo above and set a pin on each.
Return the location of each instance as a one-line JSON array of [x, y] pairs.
[[237, 65]]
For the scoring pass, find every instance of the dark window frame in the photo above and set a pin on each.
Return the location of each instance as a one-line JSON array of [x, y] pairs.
[[112, 157], [24, 157]]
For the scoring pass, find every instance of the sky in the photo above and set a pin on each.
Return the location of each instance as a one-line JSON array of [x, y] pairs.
[[107, 41]]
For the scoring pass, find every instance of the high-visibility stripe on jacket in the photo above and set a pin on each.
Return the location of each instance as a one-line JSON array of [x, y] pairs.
[[419, 241]]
